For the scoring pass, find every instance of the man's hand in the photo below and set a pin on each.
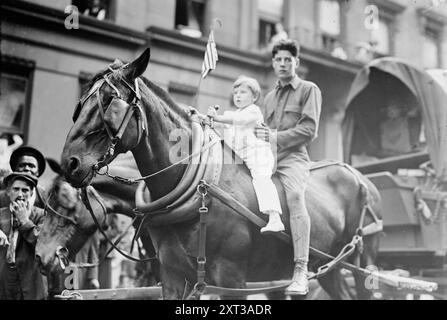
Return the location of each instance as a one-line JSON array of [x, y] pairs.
[[21, 211], [262, 132], [3, 239]]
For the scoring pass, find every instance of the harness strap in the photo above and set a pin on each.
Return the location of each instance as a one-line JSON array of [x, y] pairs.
[[101, 112], [201, 287], [86, 196], [184, 183], [234, 204]]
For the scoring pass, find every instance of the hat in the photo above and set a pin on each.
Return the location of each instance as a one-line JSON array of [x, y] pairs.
[[27, 151], [24, 176]]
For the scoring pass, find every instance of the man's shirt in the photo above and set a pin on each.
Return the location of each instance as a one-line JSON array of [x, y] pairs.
[[294, 111]]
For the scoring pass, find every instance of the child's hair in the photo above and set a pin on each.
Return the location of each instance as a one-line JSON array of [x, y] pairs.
[[252, 83]]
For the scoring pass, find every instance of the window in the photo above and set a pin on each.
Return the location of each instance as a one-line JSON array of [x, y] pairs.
[[14, 92], [270, 15], [381, 38], [12, 103], [431, 49], [99, 9], [190, 16], [432, 26], [329, 17]]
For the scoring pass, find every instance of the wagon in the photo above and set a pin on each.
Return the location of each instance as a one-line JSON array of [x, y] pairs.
[[409, 171]]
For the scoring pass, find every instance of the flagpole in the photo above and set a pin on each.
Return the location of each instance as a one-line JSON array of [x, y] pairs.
[[218, 23]]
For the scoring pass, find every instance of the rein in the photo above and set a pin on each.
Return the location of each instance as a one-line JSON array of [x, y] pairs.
[[106, 237]]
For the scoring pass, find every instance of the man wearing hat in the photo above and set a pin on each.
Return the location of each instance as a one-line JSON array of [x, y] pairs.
[[20, 222], [30, 160]]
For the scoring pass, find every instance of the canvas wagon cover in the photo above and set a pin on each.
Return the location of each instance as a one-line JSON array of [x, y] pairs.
[[430, 96]]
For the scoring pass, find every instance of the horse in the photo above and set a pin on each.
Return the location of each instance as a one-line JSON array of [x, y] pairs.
[[124, 111], [68, 224]]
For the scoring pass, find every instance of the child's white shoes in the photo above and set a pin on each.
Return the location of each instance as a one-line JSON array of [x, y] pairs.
[[274, 225]]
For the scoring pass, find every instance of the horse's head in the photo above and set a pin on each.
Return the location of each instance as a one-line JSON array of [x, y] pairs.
[[66, 228], [107, 121]]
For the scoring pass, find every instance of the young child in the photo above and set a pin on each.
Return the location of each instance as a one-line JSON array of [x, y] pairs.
[[255, 152]]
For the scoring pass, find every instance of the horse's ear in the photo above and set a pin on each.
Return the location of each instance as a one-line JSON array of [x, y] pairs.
[[137, 67], [116, 64], [54, 165]]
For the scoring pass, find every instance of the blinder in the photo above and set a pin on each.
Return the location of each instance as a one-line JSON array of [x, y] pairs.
[[115, 113], [81, 102]]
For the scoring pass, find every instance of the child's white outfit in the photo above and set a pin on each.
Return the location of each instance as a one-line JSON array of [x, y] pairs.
[[256, 154]]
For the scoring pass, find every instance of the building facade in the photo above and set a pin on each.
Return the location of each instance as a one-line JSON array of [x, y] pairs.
[[50, 49]]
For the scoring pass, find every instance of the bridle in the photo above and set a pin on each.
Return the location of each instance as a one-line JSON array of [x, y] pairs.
[[69, 219], [131, 108], [114, 139], [63, 252]]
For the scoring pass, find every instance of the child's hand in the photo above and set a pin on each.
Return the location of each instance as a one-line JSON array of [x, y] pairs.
[[212, 112]]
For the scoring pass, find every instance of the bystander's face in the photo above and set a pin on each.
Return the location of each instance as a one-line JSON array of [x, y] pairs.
[[243, 96], [285, 66], [19, 191], [28, 164]]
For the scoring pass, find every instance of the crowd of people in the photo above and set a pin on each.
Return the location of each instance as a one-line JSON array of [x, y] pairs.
[[22, 200], [286, 122]]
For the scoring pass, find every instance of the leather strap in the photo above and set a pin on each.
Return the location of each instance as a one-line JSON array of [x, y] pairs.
[[184, 183]]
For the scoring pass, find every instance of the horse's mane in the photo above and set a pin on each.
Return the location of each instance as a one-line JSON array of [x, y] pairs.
[[166, 98]]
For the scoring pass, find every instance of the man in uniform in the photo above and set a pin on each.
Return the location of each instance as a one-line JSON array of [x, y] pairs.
[[292, 112]]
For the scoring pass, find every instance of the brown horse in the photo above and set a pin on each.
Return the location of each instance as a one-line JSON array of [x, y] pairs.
[[68, 224], [236, 252]]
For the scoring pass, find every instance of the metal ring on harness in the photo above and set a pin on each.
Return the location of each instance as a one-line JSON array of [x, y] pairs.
[[202, 189]]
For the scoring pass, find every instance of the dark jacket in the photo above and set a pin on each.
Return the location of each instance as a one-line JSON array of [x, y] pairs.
[[32, 283]]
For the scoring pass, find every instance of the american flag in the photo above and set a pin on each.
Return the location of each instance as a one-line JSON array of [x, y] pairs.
[[210, 59]]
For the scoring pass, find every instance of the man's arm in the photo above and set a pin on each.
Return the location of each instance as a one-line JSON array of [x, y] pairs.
[[304, 132], [30, 228]]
